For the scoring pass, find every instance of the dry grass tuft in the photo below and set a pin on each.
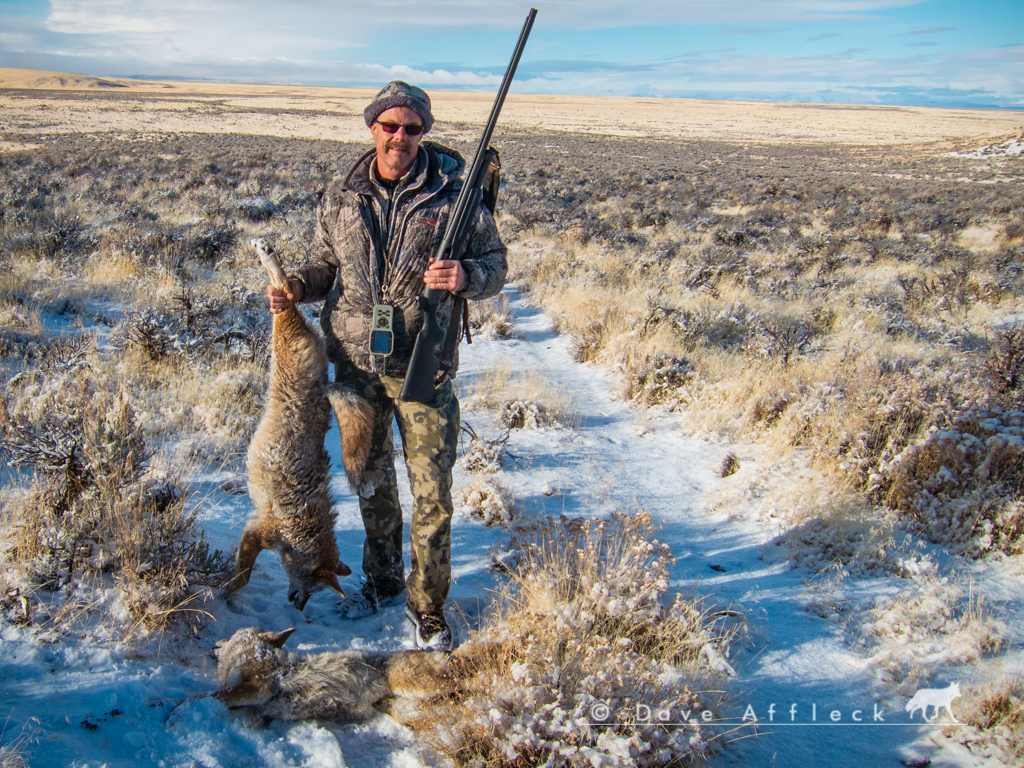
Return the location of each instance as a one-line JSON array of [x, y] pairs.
[[729, 466], [522, 399], [483, 455], [996, 712], [934, 621], [486, 500], [582, 623], [491, 318], [962, 486], [13, 753], [848, 537]]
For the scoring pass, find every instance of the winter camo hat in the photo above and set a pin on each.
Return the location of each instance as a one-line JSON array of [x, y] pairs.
[[400, 94]]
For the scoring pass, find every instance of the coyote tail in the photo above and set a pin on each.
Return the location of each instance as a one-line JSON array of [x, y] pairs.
[[355, 423]]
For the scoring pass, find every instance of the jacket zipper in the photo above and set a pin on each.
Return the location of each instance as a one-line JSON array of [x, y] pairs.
[[401, 235]]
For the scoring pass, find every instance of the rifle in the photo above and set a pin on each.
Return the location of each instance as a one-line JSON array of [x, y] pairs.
[[419, 380]]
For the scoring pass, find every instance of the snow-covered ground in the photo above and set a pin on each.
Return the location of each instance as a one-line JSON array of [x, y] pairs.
[[98, 704], [1013, 146]]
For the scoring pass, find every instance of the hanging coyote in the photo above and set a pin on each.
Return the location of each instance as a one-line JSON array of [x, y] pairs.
[[255, 673], [287, 464]]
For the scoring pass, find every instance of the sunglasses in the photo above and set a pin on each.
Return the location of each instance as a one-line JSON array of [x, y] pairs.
[[410, 130]]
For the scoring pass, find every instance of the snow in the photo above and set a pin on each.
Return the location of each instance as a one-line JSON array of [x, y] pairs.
[[1010, 147], [102, 704]]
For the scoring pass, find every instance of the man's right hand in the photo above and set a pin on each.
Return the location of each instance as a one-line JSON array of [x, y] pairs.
[[280, 301]]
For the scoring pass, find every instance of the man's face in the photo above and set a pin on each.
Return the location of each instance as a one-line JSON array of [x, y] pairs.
[[396, 152]]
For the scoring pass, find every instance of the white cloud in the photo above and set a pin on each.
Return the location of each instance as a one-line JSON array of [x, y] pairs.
[[195, 30], [15, 40], [349, 20], [986, 76], [178, 35], [377, 73], [110, 17], [348, 42], [933, 31]]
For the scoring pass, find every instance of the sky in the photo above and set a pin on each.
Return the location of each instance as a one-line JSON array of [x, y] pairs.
[[943, 53]]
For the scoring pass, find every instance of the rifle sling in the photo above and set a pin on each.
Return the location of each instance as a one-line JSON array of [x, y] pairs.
[[460, 312], [460, 320]]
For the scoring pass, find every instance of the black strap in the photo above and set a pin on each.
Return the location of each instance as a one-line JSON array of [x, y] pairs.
[[492, 182], [460, 312]]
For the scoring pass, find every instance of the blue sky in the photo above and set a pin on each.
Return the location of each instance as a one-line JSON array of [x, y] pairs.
[[951, 53]]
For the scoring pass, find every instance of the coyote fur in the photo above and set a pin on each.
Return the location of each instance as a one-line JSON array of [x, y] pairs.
[[288, 466], [255, 673], [934, 697]]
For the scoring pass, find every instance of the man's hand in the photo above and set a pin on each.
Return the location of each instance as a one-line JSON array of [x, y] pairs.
[[445, 275], [280, 301]]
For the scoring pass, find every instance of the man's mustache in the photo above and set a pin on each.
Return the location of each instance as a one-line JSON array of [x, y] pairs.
[[401, 145]]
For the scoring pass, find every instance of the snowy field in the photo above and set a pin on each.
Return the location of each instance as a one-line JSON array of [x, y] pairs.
[[783, 308], [817, 700]]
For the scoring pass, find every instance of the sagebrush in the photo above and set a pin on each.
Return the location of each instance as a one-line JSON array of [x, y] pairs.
[[584, 619], [92, 509]]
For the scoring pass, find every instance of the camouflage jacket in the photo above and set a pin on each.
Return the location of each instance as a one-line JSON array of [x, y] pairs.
[[373, 246]]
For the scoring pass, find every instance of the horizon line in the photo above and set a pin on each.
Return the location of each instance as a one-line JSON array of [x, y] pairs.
[[922, 102], [736, 96]]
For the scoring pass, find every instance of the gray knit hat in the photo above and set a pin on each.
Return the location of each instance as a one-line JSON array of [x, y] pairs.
[[400, 94]]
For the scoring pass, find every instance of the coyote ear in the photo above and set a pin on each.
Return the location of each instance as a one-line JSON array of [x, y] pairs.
[[342, 569], [278, 639], [328, 577]]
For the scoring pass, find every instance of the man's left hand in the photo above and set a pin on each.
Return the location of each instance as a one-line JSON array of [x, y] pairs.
[[445, 275]]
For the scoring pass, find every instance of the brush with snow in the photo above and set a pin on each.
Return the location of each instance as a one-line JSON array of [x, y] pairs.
[[487, 501], [580, 644]]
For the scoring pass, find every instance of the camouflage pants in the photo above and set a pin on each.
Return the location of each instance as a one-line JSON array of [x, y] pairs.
[[430, 436]]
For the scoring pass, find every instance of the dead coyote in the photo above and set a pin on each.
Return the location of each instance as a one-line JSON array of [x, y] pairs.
[[254, 672], [287, 464]]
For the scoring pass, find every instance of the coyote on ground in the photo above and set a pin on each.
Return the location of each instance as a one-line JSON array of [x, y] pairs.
[[289, 469], [254, 672]]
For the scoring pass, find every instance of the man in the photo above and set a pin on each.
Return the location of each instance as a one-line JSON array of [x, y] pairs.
[[376, 234]]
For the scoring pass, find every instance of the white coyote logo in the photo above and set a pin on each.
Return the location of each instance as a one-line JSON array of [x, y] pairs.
[[934, 697]]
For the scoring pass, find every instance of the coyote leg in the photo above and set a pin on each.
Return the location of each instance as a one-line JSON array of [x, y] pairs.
[[270, 262], [249, 693], [248, 550]]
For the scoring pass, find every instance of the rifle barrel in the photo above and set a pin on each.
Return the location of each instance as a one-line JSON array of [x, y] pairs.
[[475, 168], [419, 378], [499, 101]]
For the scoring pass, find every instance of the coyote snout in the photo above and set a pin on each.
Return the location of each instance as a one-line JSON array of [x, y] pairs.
[[254, 672], [288, 467]]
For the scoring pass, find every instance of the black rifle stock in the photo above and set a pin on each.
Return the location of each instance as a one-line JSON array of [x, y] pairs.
[[419, 380]]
